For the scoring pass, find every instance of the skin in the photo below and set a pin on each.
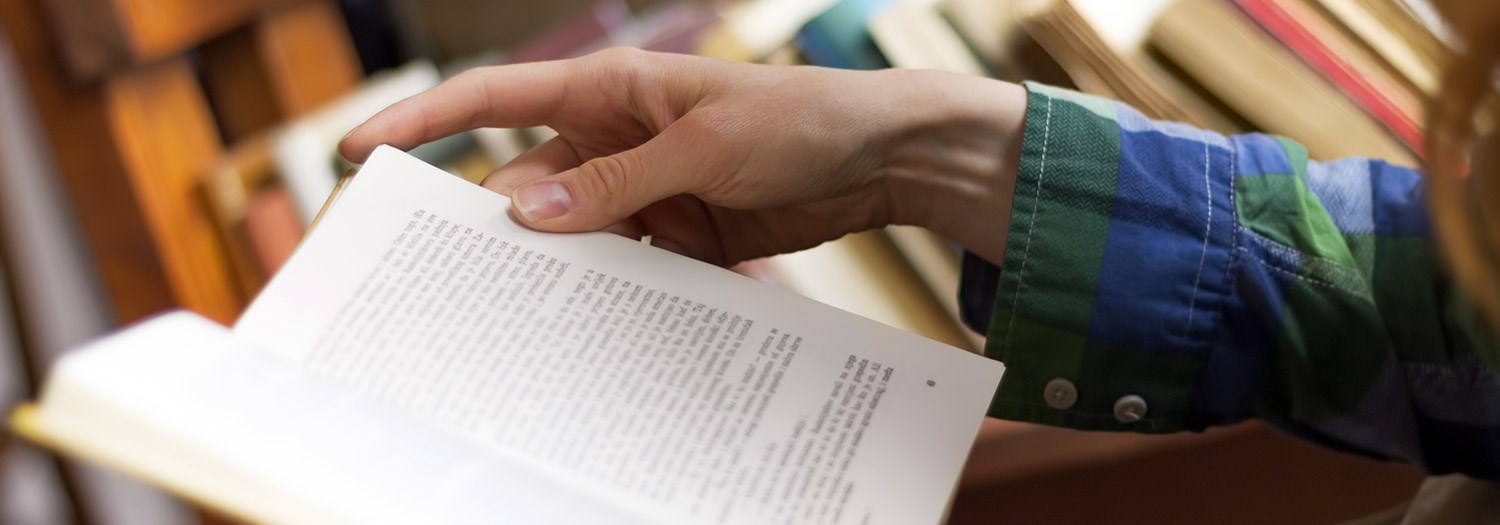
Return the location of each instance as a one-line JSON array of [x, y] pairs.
[[727, 162]]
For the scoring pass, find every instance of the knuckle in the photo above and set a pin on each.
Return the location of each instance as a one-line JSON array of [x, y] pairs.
[[626, 64], [616, 53], [606, 177], [620, 59], [476, 76]]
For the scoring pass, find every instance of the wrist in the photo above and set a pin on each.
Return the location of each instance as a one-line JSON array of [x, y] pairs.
[[951, 162]]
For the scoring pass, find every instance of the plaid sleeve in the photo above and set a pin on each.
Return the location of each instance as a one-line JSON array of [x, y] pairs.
[[1160, 278]]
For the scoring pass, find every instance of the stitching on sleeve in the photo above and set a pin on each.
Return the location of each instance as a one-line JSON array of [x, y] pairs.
[[1287, 252], [1036, 202], [1295, 275], [1236, 253], [1335, 274], [1231, 280], [1208, 227], [1281, 252]]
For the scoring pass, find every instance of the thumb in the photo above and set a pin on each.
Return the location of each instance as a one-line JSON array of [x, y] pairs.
[[602, 191]]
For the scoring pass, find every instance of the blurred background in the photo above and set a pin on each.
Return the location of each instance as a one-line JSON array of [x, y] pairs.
[[170, 153]]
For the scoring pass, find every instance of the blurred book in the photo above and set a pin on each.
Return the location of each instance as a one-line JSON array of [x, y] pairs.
[[244, 170], [867, 274], [1404, 44], [1315, 38], [840, 36], [273, 227], [1251, 72], [1107, 57], [989, 29], [755, 30], [913, 34]]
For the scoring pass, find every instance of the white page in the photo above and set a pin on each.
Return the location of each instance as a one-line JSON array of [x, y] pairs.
[[681, 388], [171, 400]]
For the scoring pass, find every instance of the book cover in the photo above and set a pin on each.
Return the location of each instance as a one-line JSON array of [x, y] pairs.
[[840, 36]]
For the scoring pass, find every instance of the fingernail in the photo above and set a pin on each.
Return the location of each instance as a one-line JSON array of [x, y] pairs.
[[542, 201]]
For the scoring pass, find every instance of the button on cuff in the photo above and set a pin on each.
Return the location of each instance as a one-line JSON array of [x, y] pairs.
[[1060, 394], [1130, 409]]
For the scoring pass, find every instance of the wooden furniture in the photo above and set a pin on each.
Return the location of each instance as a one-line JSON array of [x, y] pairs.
[[229, 188], [142, 100], [133, 95]]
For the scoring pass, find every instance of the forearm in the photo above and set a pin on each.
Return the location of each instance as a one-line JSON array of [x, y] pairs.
[[950, 163]]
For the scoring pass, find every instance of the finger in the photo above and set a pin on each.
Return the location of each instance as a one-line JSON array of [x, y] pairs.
[[554, 156], [604, 190], [509, 96]]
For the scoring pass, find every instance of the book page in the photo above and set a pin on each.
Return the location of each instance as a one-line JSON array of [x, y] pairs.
[[679, 387], [173, 402]]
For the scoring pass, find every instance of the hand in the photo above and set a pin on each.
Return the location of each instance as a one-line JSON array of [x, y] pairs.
[[726, 162]]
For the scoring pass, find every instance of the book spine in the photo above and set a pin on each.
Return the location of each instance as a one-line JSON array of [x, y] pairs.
[[1276, 20], [840, 36]]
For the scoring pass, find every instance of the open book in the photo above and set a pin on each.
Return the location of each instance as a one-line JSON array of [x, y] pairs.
[[422, 358]]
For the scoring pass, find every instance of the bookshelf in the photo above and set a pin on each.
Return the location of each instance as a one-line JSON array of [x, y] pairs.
[[163, 117], [134, 134], [139, 101]]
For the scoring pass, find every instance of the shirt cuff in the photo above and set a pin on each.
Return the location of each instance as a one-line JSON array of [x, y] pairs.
[[1108, 300]]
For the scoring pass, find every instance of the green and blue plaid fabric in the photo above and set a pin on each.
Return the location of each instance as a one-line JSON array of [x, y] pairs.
[[1224, 278]]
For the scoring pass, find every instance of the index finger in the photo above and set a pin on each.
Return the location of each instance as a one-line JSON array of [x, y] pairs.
[[509, 96]]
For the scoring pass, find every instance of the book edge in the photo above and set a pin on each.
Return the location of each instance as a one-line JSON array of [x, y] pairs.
[[26, 421]]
